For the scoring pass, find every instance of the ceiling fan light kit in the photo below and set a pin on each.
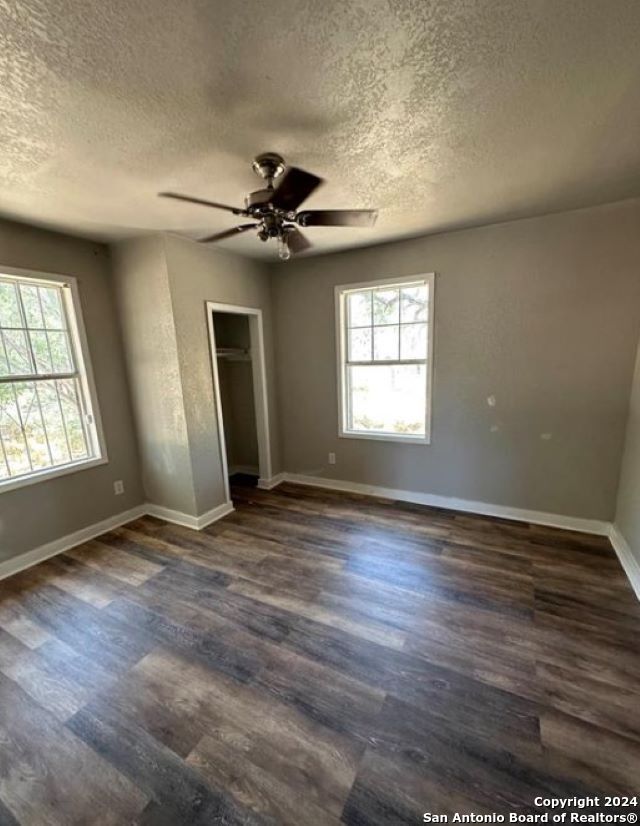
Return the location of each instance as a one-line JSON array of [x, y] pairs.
[[274, 210]]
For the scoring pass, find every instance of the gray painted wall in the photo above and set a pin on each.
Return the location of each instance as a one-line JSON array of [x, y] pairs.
[[541, 313], [162, 284], [146, 316], [34, 515], [198, 274], [628, 506]]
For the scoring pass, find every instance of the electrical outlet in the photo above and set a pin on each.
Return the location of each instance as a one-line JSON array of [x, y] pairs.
[[332, 458], [118, 487]]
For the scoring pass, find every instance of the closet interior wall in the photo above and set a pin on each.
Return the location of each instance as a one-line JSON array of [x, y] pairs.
[[235, 374]]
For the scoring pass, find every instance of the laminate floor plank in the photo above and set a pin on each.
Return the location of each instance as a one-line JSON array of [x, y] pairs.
[[275, 736], [136, 538], [441, 759], [338, 702], [259, 527], [200, 639], [114, 561], [258, 788], [589, 699], [395, 790], [586, 653], [49, 685], [49, 776], [154, 769], [604, 758], [361, 627], [15, 620], [92, 632], [295, 552], [86, 582], [509, 594], [317, 656]]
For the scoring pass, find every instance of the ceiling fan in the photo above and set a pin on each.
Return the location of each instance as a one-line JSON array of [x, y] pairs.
[[275, 210]]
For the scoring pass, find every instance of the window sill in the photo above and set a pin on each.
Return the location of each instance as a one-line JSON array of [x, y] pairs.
[[50, 473], [386, 437]]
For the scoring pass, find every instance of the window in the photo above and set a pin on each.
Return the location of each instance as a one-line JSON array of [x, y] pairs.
[[47, 408], [384, 350]]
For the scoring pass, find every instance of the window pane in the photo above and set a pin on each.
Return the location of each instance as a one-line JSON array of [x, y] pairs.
[[4, 470], [15, 342], [31, 304], [4, 363], [33, 429], [9, 311], [413, 341], [414, 303], [388, 398], [52, 309], [385, 343], [67, 390], [386, 306], [359, 309], [40, 349], [41, 425], [52, 414], [360, 344], [11, 431], [60, 354]]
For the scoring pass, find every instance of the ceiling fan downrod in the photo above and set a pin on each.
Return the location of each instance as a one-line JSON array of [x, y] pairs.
[[268, 165]]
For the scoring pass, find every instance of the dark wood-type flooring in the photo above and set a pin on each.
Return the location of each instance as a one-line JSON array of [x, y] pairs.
[[317, 658]]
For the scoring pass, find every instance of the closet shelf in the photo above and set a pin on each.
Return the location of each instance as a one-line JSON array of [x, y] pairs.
[[233, 353]]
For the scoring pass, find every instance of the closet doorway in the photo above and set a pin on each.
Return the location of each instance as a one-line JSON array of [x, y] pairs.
[[240, 390]]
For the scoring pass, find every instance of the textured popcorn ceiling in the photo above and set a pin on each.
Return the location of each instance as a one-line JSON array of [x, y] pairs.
[[442, 113]]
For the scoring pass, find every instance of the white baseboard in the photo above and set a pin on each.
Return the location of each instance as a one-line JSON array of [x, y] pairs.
[[628, 559], [553, 520], [169, 515], [213, 515], [272, 482], [58, 546], [65, 543], [196, 523]]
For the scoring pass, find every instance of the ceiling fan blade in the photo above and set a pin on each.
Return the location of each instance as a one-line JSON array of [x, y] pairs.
[[228, 233], [337, 217], [202, 202], [296, 186], [297, 242]]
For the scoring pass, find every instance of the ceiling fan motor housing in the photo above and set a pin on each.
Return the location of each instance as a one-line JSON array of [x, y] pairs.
[[258, 202]]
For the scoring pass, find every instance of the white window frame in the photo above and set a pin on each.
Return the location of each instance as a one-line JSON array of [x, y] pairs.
[[341, 292], [80, 352]]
